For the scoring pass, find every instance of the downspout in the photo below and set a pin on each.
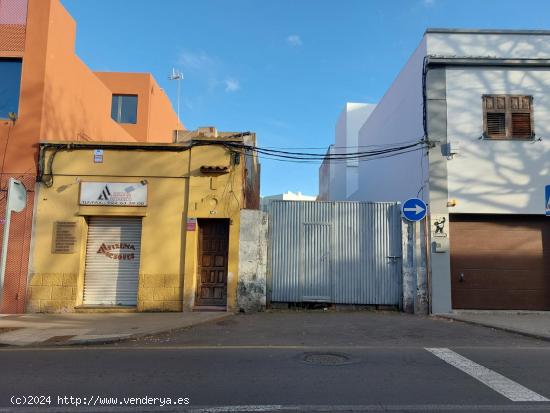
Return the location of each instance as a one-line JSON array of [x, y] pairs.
[[184, 228], [427, 221]]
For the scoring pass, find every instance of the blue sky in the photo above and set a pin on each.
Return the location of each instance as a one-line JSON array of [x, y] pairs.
[[281, 68]]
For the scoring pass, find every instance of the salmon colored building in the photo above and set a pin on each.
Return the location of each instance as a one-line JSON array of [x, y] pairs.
[[48, 94]]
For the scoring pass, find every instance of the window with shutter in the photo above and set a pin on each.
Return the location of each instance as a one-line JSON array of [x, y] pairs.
[[508, 116]]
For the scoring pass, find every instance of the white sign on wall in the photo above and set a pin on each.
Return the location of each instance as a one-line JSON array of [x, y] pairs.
[[113, 193], [98, 156]]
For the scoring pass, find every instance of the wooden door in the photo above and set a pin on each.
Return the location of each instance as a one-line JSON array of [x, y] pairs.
[[213, 250]]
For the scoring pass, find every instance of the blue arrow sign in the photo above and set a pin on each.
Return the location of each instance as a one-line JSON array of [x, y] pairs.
[[414, 209], [547, 200]]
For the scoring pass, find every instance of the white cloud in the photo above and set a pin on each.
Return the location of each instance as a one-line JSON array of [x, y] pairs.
[[294, 40], [196, 60], [232, 85], [428, 2], [207, 71]]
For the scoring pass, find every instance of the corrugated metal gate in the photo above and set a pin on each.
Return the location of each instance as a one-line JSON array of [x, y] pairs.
[[338, 252], [112, 261]]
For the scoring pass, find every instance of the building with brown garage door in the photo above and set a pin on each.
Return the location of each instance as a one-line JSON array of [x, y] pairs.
[[141, 226], [48, 93], [477, 104]]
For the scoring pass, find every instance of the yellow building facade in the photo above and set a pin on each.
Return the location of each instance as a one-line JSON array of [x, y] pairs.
[[140, 227]]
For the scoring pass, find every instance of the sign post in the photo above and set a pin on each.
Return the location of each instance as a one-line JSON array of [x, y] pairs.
[[17, 200], [415, 298]]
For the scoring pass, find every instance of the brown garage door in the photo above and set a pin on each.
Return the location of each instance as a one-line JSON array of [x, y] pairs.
[[500, 262]]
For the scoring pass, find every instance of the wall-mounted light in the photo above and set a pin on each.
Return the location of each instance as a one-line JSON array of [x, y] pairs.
[[451, 202]]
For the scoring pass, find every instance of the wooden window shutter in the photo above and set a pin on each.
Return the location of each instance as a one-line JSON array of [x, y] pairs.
[[508, 116], [521, 117], [494, 116], [64, 237]]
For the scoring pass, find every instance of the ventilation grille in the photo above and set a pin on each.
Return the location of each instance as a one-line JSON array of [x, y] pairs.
[[64, 238]]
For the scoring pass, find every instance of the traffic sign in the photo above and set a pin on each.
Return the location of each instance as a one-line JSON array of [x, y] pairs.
[[414, 209]]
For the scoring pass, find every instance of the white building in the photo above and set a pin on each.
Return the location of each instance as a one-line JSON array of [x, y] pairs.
[[327, 173], [286, 196], [339, 179], [481, 98]]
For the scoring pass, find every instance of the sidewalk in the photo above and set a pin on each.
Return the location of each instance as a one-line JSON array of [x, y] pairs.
[[529, 323], [93, 328]]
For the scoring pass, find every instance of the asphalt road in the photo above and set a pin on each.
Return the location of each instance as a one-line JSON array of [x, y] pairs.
[[301, 361]]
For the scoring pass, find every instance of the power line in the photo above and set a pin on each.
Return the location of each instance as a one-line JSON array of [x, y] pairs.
[[317, 161], [309, 156], [345, 147]]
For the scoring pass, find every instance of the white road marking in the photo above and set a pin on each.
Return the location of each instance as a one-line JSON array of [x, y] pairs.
[[503, 385]]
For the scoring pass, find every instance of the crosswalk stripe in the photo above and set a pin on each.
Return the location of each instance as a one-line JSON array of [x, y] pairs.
[[503, 385]]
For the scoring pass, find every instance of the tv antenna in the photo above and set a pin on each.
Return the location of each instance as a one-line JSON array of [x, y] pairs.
[[177, 75]]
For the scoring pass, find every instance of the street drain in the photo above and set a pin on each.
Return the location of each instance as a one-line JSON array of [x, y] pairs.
[[326, 359]]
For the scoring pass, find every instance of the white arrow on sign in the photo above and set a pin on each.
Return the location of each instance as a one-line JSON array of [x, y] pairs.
[[417, 209]]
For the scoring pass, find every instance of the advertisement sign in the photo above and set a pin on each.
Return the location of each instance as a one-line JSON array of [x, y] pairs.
[[113, 193], [547, 198]]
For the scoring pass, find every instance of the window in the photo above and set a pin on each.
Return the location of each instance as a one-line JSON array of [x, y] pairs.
[[124, 108], [508, 116], [10, 84]]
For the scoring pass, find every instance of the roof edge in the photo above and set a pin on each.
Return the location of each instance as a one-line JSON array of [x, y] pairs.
[[486, 31]]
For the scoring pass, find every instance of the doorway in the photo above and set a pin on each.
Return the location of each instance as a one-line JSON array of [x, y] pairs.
[[213, 257]]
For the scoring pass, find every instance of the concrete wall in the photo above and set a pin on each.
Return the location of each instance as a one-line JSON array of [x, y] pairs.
[[251, 289], [496, 177], [397, 118]]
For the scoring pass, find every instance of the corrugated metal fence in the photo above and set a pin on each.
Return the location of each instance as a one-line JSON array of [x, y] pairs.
[[338, 252]]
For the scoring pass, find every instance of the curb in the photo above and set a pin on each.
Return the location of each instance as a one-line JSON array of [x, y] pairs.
[[118, 339], [114, 338], [489, 325]]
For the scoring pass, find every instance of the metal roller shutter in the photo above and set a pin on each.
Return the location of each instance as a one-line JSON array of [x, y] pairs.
[[112, 261], [500, 262]]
